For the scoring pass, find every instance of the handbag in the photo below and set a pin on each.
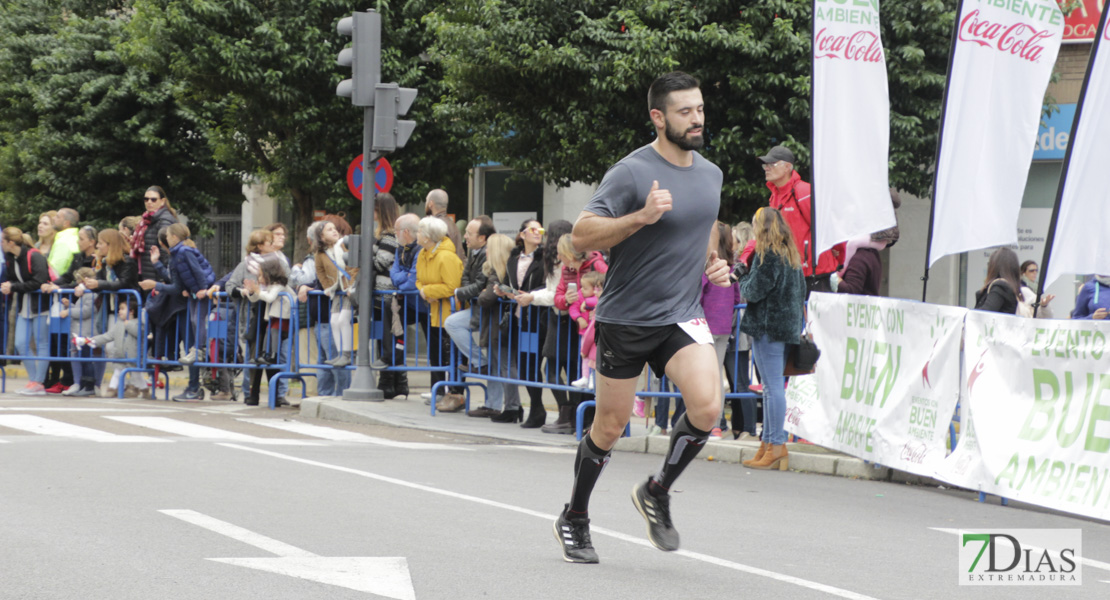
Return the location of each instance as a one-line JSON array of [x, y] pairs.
[[801, 358]]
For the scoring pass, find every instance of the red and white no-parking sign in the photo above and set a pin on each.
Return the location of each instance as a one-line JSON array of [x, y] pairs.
[[383, 176]]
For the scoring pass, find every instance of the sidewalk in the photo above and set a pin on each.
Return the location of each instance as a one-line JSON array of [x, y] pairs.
[[412, 413]]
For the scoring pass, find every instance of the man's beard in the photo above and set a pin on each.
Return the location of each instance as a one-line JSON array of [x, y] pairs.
[[683, 142]]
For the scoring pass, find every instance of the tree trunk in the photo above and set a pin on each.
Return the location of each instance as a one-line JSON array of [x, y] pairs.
[[302, 218]]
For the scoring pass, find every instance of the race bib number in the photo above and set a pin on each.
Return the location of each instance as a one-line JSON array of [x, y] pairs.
[[698, 329]]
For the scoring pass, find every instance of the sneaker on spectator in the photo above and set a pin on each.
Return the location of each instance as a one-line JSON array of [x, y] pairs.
[[657, 430], [638, 406], [715, 432], [33, 388], [189, 358], [57, 388], [584, 382], [71, 389], [84, 392]]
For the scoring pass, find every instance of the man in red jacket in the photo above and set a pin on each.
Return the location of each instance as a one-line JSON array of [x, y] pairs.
[[791, 196]]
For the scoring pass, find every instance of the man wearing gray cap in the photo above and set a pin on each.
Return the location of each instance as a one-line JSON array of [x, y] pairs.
[[791, 196]]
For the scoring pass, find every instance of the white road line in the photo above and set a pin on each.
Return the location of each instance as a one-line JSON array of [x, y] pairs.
[[339, 435], [1089, 562], [237, 533], [194, 430], [84, 409], [43, 426], [542, 449], [720, 562]]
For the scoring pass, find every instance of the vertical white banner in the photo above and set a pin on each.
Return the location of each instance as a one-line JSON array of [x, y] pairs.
[[851, 122], [1080, 245], [887, 381], [1003, 58]]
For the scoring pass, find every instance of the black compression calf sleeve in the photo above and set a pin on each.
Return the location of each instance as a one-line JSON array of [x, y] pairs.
[[588, 465], [686, 442]]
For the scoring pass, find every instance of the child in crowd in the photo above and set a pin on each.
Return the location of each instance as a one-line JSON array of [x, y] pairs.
[[121, 341], [189, 272], [272, 281], [583, 314], [719, 303], [82, 309]]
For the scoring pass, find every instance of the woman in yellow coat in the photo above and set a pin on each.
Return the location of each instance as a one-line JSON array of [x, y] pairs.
[[438, 273]]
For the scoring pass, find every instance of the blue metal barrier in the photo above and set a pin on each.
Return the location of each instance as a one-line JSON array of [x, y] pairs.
[[94, 318]]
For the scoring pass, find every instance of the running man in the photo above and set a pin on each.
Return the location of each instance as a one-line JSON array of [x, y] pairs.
[[656, 211]]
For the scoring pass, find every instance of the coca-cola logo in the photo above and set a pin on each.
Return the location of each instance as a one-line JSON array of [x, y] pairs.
[[915, 452], [1019, 39], [861, 46]]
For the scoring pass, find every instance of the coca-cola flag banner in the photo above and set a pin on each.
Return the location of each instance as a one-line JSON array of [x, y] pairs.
[[887, 382], [1002, 59], [1079, 242], [851, 122]]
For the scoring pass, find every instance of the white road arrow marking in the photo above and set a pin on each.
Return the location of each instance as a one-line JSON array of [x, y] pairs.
[[387, 576]]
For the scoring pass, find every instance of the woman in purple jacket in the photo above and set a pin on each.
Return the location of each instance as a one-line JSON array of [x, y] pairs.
[[719, 304]]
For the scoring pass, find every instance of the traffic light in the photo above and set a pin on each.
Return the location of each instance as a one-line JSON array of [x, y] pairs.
[[364, 57], [390, 102]]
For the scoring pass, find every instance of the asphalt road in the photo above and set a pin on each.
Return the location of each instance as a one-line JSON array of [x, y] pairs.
[[153, 500]]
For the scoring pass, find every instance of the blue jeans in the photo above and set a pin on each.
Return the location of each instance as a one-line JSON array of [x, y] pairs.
[[39, 328], [663, 409], [88, 370], [770, 356], [465, 338], [325, 349]]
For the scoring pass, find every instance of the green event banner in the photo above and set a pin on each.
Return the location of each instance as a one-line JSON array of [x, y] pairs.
[[887, 383], [1037, 394]]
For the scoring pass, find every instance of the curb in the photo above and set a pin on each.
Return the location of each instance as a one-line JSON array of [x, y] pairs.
[[804, 458]]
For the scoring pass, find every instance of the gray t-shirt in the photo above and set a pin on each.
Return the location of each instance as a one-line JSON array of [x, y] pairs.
[[655, 275]]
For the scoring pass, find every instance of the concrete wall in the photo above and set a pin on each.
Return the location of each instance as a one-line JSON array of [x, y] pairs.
[[259, 210], [565, 203], [907, 258]]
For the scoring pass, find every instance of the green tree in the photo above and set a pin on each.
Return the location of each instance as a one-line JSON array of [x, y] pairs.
[[261, 76], [80, 128], [556, 89]]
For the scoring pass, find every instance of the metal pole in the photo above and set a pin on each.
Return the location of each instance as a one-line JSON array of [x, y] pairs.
[[364, 384]]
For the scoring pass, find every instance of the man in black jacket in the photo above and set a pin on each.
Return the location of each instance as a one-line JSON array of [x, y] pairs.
[[463, 324]]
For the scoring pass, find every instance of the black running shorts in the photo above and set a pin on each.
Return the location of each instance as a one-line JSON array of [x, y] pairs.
[[622, 350]]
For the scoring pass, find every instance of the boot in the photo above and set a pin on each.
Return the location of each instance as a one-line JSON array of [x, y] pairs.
[[775, 457], [451, 403], [537, 416], [565, 422], [763, 446], [387, 383], [400, 384]]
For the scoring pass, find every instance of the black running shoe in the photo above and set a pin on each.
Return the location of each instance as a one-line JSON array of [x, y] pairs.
[[656, 510], [574, 538]]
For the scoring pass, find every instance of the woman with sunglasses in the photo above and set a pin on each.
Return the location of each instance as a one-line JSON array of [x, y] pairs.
[[157, 216], [525, 273]]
